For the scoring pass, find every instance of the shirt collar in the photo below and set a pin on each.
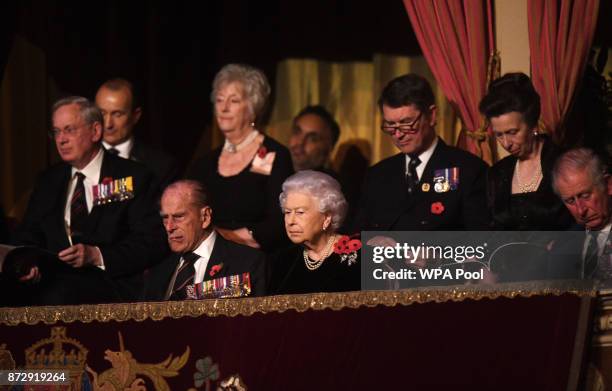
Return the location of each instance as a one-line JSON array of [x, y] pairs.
[[423, 157], [92, 169], [205, 248], [124, 148]]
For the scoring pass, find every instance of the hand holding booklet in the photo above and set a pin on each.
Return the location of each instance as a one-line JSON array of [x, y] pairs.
[[16, 261]]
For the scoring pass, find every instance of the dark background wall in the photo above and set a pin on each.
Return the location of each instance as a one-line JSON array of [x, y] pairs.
[[172, 50]]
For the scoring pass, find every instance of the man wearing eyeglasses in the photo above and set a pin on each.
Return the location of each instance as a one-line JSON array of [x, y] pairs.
[[428, 185], [95, 211]]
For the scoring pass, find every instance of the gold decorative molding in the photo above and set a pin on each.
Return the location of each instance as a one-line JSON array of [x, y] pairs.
[[603, 319], [270, 304]]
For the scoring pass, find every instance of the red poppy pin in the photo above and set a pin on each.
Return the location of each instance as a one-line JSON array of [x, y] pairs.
[[347, 249], [437, 208], [107, 179], [215, 269], [262, 152]]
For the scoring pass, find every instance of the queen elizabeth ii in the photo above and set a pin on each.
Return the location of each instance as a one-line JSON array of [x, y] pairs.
[[321, 260]]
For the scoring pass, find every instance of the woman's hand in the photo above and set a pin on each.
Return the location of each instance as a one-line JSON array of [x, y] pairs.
[[240, 235]]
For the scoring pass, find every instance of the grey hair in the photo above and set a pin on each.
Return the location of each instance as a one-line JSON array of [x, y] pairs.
[[254, 84], [580, 159], [199, 195], [89, 112], [321, 186]]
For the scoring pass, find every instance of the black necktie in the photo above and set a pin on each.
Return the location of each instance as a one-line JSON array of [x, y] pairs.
[[412, 178], [113, 151], [591, 256], [184, 276], [78, 208]]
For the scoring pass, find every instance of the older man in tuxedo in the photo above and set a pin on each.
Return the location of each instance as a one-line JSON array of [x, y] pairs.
[[583, 182], [200, 254], [94, 210], [428, 185]]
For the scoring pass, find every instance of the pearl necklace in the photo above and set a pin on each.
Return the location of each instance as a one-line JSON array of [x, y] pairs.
[[532, 185], [233, 148], [312, 264]]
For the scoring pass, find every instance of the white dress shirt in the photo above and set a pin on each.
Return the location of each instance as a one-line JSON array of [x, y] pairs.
[[424, 158], [125, 148]]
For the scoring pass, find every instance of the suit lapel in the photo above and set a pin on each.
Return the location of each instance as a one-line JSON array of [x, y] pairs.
[[107, 170], [62, 198], [217, 256], [169, 269], [398, 193]]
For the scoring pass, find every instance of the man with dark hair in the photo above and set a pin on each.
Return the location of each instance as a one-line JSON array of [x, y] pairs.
[[200, 254], [121, 107], [313, 137], [95, 211], [428, 185], [583, 182]]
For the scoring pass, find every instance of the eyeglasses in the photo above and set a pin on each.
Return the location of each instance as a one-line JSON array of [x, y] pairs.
[[403, 128], [68, 131]]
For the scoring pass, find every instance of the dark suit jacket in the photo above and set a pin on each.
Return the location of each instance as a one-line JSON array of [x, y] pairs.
[[236, 259], [163, 166], [129, 234], [387, 206]]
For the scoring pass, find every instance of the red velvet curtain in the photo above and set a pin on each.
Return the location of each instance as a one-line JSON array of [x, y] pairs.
[[560, 37], [453, 37]]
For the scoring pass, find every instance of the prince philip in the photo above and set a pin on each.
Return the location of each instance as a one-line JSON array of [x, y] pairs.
[[428, 185], [94, 210], [204, 265]]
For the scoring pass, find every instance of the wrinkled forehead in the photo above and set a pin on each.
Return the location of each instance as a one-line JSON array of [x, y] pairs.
[[69, 114], [574, 182]]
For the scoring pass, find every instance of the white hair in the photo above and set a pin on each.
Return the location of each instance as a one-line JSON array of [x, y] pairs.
[[254, 83]]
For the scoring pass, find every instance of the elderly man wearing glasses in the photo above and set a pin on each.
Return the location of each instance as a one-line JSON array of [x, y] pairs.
[[428, 185], [94, 211]]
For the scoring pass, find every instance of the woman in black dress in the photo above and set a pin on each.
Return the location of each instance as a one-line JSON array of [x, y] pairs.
[[321, 260], [245, 175], [520, 195]]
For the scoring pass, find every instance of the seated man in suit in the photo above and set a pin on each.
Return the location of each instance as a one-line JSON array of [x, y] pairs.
[[583, 182], [122, 109], [200, 254], [94, 210], [428, 185]]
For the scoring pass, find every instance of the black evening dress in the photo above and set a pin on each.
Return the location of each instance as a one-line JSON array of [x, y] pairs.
[[541, 210], [291, 276], [248, 199]]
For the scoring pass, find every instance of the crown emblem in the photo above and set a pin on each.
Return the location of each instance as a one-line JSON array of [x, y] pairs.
[[58, 352]]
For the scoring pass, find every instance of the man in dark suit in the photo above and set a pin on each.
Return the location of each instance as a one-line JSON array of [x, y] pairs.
[[429, 185], [122, 109], [584, 184], [94, 210], [200, 254]]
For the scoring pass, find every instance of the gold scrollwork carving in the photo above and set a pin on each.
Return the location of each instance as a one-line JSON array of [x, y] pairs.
[[248, 306]]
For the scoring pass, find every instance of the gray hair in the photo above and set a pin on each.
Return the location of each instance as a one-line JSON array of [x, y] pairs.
[[322, 187], [254, 83], [580, 159], [89, 112], [199, 194]]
